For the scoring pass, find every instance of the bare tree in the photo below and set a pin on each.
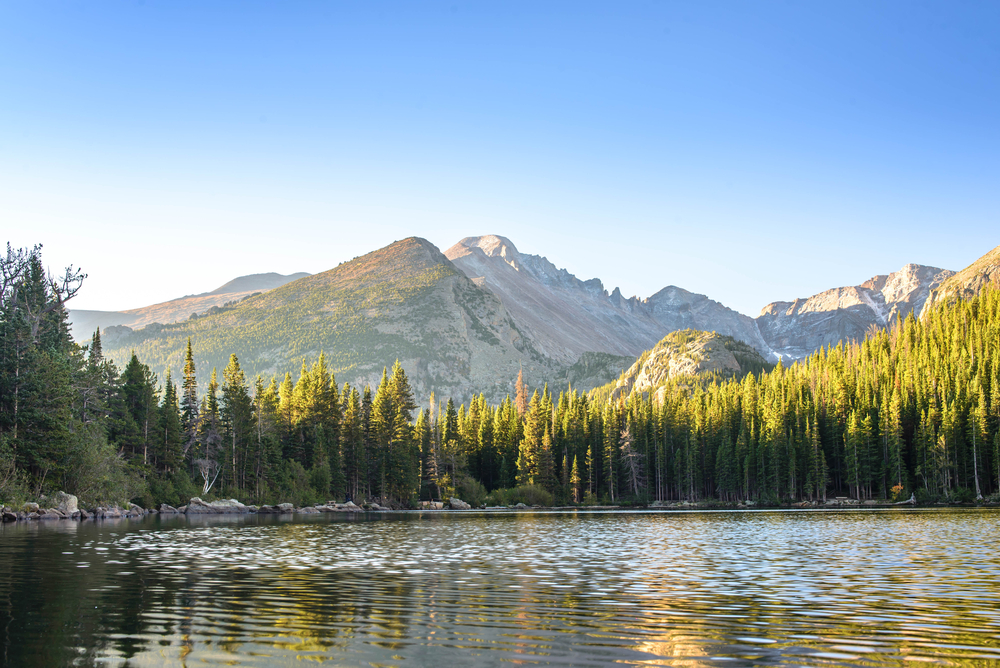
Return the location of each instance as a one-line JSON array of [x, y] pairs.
[[209, 470]]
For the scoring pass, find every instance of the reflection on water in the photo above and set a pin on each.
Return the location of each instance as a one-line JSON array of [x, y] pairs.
[[791, 588]]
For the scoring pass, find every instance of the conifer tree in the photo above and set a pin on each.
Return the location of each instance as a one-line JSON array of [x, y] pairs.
[[170, 455], [189, 401]]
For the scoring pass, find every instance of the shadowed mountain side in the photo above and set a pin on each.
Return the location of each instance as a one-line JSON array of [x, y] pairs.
[[566, 316], [796, 329], [84, 323], [404, 301], [968, 282]]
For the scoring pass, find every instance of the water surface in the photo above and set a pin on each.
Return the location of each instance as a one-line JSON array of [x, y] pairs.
[[818, 588]]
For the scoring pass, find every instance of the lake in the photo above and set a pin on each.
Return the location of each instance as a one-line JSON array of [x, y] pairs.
[[824, 588]]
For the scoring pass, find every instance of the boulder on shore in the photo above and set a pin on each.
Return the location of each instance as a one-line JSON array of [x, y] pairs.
[[67, 504], [222, 507], [286, 508], [166, 509], [458, 504]]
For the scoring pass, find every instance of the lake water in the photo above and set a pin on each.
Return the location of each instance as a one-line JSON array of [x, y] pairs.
[[824, 588]]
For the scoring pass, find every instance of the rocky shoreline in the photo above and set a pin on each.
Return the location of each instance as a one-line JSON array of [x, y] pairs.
[[64, 506]]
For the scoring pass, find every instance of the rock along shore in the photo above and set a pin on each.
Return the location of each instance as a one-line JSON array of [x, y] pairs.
[[64, 506]]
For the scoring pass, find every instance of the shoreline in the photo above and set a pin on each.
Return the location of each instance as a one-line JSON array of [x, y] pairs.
[[67, 508]]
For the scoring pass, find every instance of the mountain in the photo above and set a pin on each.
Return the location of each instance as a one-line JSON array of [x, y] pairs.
[[796, 329], [565, 316], [406, 301], [83, 323], [984, 271], [466, 320], [688, 353], [256, 283]]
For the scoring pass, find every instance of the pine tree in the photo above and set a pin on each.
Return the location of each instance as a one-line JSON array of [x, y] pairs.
[[189, 401], [237, 422], [170, 452]]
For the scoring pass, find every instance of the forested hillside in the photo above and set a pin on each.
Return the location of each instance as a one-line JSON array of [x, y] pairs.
[[405, 301], [910, 410]]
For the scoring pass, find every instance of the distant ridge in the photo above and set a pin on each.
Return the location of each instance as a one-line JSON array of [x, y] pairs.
[[255, 283], [83, 323]]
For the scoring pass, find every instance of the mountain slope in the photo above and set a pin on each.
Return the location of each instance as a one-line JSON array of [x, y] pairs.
[[563, 315], [968, 282], [83, 323], [405, 301], [566, 316], [687, 353], [796, 329]]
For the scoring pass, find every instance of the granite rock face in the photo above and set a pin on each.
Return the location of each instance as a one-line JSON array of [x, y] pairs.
[[564, 316], [795, 330]]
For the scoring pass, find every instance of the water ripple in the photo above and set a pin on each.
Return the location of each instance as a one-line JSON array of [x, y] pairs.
[[751, 588]]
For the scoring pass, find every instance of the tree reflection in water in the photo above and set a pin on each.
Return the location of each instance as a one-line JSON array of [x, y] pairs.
[[847, 588]]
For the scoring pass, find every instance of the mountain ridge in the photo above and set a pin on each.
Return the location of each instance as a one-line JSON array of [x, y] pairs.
[[569, 316], [796, 329], [406, 301], [83, 322]]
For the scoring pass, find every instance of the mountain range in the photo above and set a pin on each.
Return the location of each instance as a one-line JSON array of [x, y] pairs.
[[467, 320], [84, 323]]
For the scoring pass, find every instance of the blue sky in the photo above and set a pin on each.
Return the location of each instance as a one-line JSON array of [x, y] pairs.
[[750, 151]]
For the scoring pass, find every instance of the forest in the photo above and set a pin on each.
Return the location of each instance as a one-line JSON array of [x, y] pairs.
[[910, 410]]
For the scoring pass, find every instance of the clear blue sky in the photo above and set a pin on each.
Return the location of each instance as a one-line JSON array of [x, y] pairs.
[[751, 151]]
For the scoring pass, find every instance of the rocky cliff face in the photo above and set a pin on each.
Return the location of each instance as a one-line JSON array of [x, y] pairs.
[[968, 282], [796, 329], [565, 316]]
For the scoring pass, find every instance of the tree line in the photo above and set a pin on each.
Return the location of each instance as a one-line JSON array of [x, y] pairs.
[[910, 410]]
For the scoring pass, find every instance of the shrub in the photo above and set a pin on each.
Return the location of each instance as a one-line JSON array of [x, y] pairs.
[[471, 491], [97, 473], [13, 489], [320, 478], [963, 495], [529, 495], [294, 486]]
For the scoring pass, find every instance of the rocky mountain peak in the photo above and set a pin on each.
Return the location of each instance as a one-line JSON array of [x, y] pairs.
[[795, 329], [492, 245]]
